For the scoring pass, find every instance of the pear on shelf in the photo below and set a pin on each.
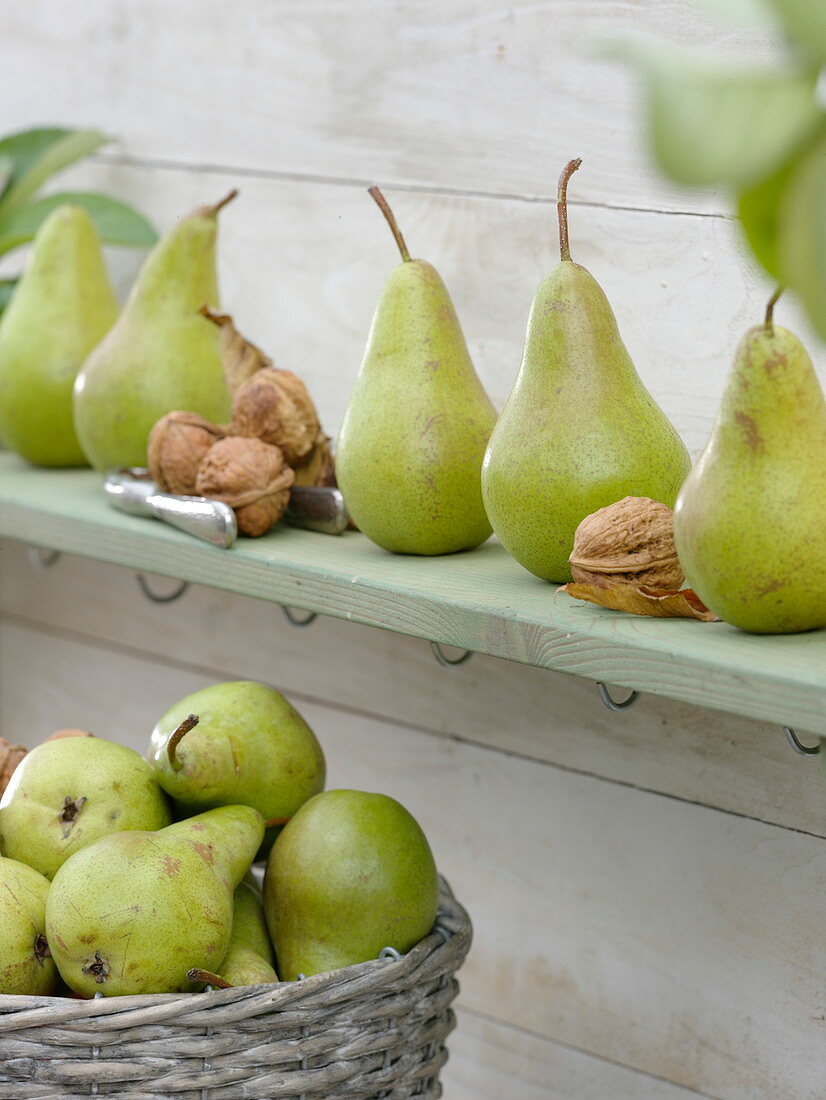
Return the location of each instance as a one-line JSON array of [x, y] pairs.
[[62, 307], [162, 354], [579, 430], [134, 911], [417, 423], [750, 520]]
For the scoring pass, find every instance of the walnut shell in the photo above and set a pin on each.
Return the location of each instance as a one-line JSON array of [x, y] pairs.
[[627, 543], [249, 475], [274, 406], [10, 757], [176, 445]]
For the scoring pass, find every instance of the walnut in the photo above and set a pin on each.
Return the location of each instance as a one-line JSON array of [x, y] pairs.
[[176, 445], [249, 475], [627, 543], [274, 406], [10, 757]]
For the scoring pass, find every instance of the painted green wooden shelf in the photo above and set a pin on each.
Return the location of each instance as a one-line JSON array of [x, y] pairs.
[[480, 600]]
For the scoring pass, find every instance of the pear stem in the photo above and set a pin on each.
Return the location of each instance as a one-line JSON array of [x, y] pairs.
[[384, 206], [213, 210], [189, 723], [562, 206], [219, 319], [198, 975], [770, 310]]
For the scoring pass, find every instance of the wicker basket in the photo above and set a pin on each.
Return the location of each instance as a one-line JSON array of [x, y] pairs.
[[368, 1031]]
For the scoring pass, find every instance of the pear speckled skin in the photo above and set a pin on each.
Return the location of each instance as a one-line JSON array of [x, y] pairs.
[[62, 307], [411, 444], [579, 430], [135, 911], [250, 746], [352, 873], [249, 958], [26, 965], [111, 786], [161, 354], [750, 521]]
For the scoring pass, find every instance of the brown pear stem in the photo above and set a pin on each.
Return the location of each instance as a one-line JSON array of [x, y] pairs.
[[213, 210], [219, 319], [384, 206], [271, 821], [198, 975], [562, 206], [189, 723], [770, 310]]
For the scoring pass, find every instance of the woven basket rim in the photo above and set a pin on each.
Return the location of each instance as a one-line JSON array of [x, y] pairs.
[[449, 940]]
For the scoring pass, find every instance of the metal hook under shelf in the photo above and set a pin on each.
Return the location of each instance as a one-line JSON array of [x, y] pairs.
[[800, 749], [293, 621], [449, 662], [40, 559], [612, 704], [154, 597]]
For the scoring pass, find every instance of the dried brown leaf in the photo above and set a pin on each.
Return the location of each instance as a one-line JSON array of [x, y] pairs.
[[659, 603], [240, 357]]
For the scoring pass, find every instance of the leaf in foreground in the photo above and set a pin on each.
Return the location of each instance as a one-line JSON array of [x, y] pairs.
[[684, 604]]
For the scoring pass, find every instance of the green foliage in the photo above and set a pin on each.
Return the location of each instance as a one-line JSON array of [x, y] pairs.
[[760, 132], [31, 157]]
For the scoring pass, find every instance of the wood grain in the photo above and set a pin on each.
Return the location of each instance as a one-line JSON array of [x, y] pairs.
[[479, 600], [663, 936], [472, 95], [719, 760]]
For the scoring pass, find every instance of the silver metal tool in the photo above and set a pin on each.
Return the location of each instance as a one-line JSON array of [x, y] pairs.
[[318, 509], [132, 490]]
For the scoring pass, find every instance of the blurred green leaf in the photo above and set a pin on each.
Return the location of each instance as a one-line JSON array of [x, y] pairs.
[[27, 146], [41, 158], [6, 171], [758, 208], [802, 234], [742, 13], [116, 222], [805, 24], [6, 290], [715, 124]]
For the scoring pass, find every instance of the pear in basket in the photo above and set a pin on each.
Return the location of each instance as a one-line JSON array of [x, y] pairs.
[[26, 965], [350, 874], [135, 911]]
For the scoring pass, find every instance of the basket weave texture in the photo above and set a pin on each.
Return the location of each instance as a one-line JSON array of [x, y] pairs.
[[373, 1030]]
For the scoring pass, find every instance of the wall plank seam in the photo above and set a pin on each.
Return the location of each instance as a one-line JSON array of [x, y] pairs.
[[136, 652], [168, 164]]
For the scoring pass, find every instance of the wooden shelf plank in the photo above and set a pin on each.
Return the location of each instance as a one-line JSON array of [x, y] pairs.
[[479, 600]]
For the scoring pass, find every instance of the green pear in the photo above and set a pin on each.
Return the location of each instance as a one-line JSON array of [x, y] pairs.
[[134, 911], [249, 958], [161, 355], [579, 430], [237, 742], [66, 794], [418, 420], [350, 874], [62, 307], [26, 965], [750, 521]]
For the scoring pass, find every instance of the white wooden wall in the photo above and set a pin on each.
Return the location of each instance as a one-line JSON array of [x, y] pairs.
[[648, 889]]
